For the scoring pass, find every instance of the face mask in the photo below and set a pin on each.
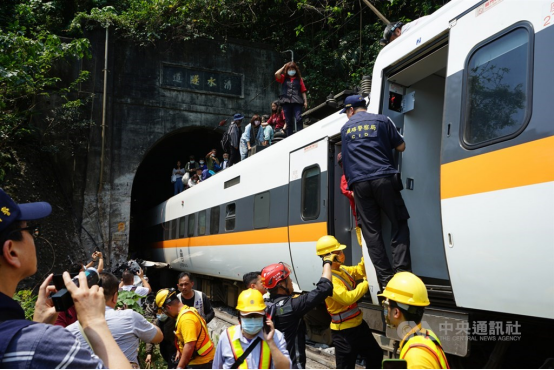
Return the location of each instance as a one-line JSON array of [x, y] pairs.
[[191, 161], [225, 159], [291, 72], [252, 325], [256, 123], [201, 162], [162, 317]]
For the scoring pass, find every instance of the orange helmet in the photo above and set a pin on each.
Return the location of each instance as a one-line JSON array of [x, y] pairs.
[[273, 274]]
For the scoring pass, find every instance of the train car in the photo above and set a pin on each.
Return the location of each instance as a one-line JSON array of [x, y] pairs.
[[469, 89]]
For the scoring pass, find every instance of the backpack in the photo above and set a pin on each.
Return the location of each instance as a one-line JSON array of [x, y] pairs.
[[226, 141]]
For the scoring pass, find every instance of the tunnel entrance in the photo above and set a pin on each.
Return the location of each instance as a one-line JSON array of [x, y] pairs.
[[152, 183]]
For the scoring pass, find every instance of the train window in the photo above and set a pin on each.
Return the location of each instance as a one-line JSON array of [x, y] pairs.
[[214, 220], [261, 210], [191, 225], [167, 227], [230, 217], [182, 227], [311, 192], [202, 223], [174, 224], [498, 88]]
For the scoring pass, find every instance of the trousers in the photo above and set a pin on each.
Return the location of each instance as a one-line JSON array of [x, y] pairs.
[[349, 343], [234, 156], [372, 197], [293, 113]]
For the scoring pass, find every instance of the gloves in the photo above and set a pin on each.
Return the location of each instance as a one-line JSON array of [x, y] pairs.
[[329, 258]]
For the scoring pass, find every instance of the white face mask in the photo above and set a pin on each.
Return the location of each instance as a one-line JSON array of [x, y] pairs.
[[256, 123], [192, 161], [225, 159], [201, 162], [291, 72]]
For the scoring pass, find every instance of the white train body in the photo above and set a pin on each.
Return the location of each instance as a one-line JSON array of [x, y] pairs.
[[481, 199]]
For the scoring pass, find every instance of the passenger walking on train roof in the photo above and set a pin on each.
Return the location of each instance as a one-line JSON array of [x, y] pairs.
[[38, 343], [277, 118], [235, 134], [253, 280], [404, 303], [246, 345], [293, 95], [196, 349], [225, 162], [287, 311], [194, 298], [267, 133], [350, 333], [126, 326], [211, 160], [350, 195], [368, 141], [191, 166], [250, 136], [395, 30], [177, 178]]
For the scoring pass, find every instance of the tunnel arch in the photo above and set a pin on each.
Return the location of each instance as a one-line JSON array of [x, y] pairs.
[[152, 182]]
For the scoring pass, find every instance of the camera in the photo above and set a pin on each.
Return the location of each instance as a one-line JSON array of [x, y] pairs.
[[133, 266], [62, 299]]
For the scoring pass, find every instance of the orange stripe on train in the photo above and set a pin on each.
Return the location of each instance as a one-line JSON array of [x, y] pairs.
[[298, 233], [526, 164]]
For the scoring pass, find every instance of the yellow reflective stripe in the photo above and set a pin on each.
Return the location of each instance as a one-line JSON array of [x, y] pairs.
[[420, 341], [236, 347], [205, 346]]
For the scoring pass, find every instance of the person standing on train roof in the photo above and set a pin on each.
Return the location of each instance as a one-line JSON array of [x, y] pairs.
[[405, 302], [293, 95], [194, 298], [287, 311], [254, 343], [196, 349], [235, 133], [350, 333], [368, 141]]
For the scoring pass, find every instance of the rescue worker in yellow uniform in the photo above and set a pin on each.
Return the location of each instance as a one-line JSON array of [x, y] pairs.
[[254, 343], [406, 298], [350, 333], [195, 348]]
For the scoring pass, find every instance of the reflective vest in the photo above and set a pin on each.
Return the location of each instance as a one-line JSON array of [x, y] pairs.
[[202, 349], [350, 311], [198, 302], [236, 347], [428, 341]]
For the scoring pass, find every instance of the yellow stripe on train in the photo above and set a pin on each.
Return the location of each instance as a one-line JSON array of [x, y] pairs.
[[297, 233], [521, 165]]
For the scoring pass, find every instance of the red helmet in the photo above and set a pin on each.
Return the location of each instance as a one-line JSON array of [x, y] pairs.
[[273, 274]]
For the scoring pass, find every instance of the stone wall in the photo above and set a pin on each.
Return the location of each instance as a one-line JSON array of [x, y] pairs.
[[152, 92]]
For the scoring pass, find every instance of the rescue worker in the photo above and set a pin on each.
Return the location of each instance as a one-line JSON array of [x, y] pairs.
[[406, 298], [350, 333], [196, 349], [246, 345], [287, 311], [368, 141]]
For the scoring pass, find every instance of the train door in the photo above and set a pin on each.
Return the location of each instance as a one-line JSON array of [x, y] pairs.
[[414, 97], [497, 160], [308, 202]]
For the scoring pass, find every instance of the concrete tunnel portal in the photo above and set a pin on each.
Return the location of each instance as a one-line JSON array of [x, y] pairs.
[[152, 183]]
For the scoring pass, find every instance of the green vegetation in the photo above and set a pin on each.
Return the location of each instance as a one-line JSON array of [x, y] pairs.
[[27, 300], [335, 43], [129, 300]]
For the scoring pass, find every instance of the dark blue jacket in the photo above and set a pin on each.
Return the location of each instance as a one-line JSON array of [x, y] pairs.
[[368, 141]]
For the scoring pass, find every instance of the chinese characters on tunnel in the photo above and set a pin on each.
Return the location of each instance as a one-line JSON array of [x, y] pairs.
[[202, 80]]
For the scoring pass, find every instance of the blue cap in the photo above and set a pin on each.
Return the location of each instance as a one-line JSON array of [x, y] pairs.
[[238, 117], [353, 101], [11, 212]]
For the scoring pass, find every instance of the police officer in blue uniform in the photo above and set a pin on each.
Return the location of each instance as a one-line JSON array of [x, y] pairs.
[[368, 141]]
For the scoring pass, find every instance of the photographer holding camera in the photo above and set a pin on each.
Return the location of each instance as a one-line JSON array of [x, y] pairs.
[[127, 283], [37, 343]]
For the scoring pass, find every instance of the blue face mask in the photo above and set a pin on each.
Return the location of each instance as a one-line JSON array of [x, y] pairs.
[[291, 72], [252, 325], [162, 317]]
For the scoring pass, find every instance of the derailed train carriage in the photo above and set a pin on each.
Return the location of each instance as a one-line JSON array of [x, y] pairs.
[[469, 87]]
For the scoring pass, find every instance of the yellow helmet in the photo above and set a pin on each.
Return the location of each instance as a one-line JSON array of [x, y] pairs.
[[251, 301], [164, 296], [406, 288], [327, 244]]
